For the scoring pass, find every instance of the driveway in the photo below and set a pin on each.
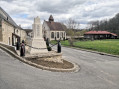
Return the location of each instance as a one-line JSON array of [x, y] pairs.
[[97, 72]]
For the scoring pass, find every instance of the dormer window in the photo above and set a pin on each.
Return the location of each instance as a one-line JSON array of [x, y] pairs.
[[7, 18], [17, 31]]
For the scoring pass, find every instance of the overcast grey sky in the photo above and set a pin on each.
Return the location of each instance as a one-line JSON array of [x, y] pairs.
[[23, 11]]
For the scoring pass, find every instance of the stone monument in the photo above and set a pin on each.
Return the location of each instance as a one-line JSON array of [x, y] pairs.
[[37, 41]]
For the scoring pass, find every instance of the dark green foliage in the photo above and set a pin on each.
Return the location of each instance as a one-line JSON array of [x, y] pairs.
[[49, 48]]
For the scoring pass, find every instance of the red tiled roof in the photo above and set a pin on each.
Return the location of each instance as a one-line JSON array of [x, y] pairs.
[[100, 32], [97, 32], [56, 26], [114, 34]]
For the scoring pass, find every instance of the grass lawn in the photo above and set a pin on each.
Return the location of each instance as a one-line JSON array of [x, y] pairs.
[[110, 46]]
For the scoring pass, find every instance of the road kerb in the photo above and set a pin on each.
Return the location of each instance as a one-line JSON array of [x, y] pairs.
[[101, 53], [74, 69]]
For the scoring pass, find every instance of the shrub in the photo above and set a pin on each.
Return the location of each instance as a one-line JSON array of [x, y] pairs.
[[49, 48]]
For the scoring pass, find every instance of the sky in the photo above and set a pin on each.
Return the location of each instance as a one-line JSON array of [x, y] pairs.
[[83, 11]]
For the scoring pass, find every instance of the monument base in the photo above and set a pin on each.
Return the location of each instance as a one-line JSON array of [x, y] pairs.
[[38, 43]]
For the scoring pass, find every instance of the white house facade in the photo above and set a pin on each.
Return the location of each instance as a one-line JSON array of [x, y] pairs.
[[53, 30]]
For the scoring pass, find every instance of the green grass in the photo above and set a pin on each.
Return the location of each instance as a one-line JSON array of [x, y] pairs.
[[110, 46]]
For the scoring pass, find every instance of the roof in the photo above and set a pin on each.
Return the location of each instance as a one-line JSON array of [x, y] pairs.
[[100, 32], [114, 34], [7, 18], [56, 26], [28, 30]]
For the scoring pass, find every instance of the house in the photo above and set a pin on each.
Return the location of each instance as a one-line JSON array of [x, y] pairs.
[[100, 35], [29, 32], [10, 32], [53, 30]]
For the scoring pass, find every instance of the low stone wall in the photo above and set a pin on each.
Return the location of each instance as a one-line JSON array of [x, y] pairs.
[[56, 57], [76, 68], [51, 56], [12, 48]]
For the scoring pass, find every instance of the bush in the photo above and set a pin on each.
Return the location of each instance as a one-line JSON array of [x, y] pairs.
[[49, 48], [71, 41]]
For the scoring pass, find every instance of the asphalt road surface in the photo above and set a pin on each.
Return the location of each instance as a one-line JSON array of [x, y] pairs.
[[97, 72]]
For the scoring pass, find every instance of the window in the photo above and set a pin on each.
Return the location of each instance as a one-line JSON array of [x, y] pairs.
[[62, 34], [17, 31], [0, 24], [57, 34], [9, 41], [52, 34]]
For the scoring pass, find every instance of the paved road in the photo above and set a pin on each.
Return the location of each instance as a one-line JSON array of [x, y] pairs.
[[97, 72]]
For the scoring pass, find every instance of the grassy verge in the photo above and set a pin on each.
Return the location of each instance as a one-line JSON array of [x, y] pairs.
[[110, 46]]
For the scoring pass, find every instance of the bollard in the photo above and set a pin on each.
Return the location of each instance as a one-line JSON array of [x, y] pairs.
[[22, 49], [58, 47], [47, 42]]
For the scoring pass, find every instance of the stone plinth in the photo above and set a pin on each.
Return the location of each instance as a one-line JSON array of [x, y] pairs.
[[37, 43], [51, 56]]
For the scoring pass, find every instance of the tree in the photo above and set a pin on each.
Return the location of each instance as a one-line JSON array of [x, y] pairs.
[[72, 24], [111, 25]]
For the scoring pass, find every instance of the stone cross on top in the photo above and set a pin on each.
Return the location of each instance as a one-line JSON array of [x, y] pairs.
[[37, 28]]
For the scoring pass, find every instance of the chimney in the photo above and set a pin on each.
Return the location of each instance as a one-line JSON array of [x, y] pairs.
[[19, 25]]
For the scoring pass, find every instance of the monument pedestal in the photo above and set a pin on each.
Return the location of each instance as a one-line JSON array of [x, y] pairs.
[[38, 43]]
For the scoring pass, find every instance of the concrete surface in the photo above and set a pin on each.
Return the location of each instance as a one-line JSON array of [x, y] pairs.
[[97, 72]]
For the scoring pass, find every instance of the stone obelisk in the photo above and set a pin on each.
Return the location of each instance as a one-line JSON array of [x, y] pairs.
[[37, 40]]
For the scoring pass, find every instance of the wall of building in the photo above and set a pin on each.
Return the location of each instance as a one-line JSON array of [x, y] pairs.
[[98, 36], [46, 30], [48, 33], [7, 30], [0, 30], [23, 35], [62, 35], [6, 33]]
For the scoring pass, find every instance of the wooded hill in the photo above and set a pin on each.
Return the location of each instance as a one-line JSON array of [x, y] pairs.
[[111, 25]]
